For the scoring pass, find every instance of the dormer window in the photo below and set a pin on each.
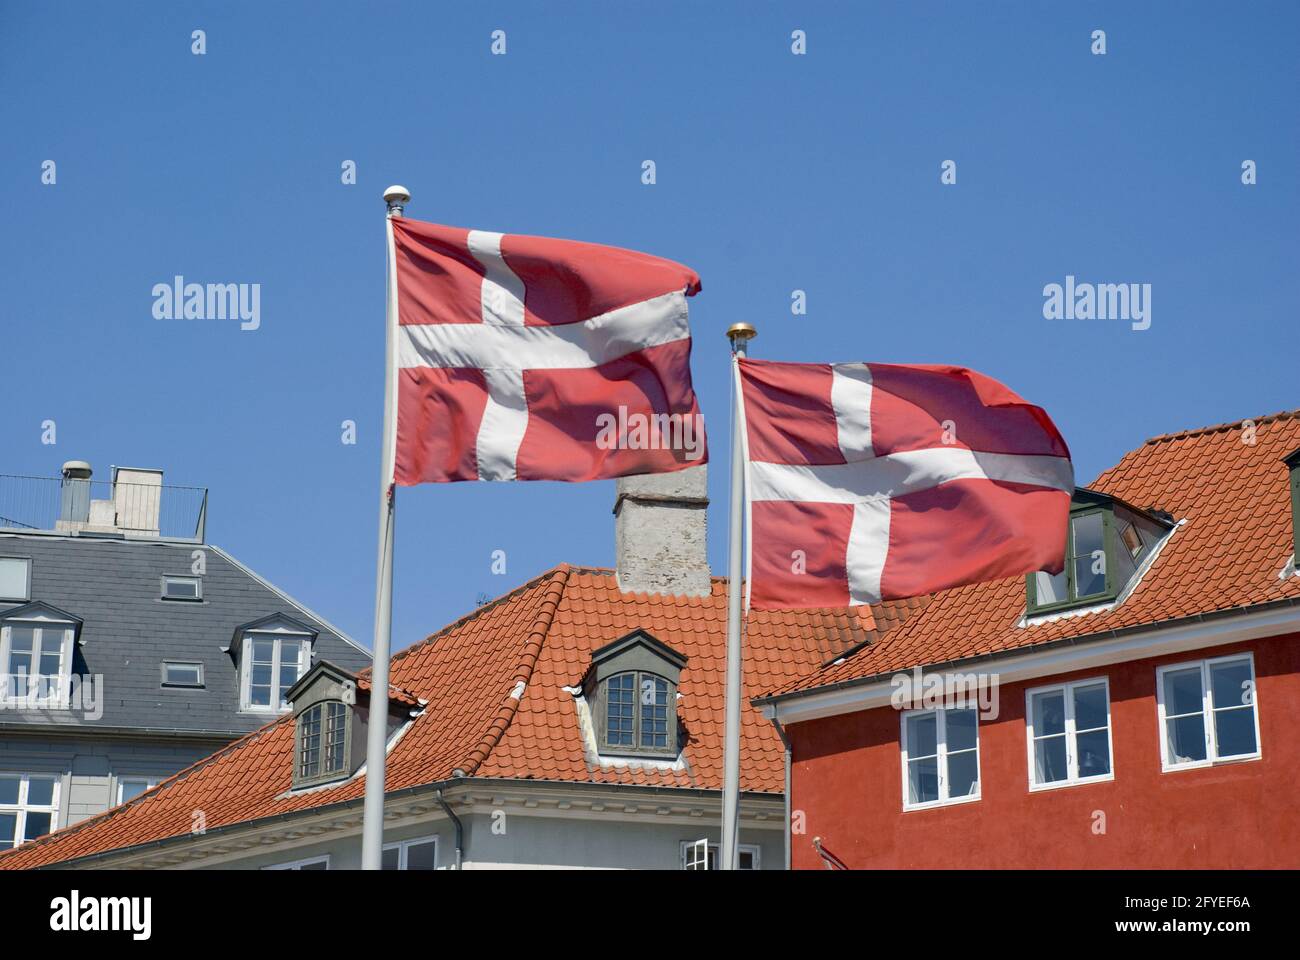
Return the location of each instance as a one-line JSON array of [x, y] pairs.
[[322, 742], [36, 650], [272, 654], [636, 712], [1106, 542], [632, 689], [332, 713]]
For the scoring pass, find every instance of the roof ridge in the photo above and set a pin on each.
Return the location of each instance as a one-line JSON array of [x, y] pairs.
[[611, 571], [559, 568], [1220, 427], [153, 791], [532, 650]]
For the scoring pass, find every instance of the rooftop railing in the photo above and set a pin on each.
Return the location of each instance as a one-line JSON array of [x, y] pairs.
[[102, 507]]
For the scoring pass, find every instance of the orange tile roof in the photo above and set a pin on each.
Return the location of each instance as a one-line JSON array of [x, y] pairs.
[[541, 635], [1235, 500]]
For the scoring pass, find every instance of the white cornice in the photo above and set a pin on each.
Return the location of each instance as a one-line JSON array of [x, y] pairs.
[[575, 801]]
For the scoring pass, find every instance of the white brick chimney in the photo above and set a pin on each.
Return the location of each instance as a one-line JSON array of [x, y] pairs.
[[660, 533]]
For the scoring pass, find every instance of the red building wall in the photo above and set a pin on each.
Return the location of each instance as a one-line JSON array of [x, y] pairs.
[[847, 783]]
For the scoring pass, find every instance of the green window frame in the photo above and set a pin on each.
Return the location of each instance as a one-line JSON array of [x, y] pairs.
[[1127, 535], [1292, 460], [1073, 559]]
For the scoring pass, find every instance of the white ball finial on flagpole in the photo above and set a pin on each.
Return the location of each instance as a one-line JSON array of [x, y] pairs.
[[396, 196]]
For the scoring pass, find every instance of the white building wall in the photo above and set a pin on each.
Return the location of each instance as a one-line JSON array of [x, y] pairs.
[[520, 841], [89, 768]]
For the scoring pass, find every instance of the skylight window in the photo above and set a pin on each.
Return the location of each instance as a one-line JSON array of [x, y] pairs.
[[15, 579], [182, 588], [182, 673]]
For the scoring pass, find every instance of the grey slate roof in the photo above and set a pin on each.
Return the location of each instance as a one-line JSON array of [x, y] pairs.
[[114, 587]]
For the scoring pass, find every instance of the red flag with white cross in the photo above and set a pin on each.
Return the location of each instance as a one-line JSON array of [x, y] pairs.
[[527, 358], [877, 481]]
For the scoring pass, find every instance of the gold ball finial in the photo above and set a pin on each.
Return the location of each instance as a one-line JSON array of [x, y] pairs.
[[741, 332]]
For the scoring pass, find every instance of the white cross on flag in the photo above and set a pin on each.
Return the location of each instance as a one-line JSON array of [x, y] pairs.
[[527, 358], [871, 481]]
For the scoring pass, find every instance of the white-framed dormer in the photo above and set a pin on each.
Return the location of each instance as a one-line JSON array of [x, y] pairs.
[[272, 653], [37, 645]]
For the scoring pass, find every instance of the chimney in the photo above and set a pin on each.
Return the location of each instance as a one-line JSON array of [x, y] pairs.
[[660, 533], [74, 494], [137, 499]]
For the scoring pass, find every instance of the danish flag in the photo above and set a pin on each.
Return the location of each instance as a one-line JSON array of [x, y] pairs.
[[526, 358], [872, 481]]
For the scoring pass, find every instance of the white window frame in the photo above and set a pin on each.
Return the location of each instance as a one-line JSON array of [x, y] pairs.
[[42, 623], [1071, 744], [27, 586], [403, 849], [714, 850], [1212, 757], [246, 666], [22, 808], [941, 748], [299, 864], [149, 784], [198, 588]]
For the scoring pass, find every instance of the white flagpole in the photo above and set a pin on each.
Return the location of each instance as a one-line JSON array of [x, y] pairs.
[[739, 334], [372, 829]]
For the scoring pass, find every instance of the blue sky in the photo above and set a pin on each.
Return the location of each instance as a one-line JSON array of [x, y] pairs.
[[775, 172]]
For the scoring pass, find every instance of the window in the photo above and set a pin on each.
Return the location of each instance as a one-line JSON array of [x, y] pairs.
[[28, 807], [128, 788], [15, 579], [419, 854], [631, 688], [1068, 729], [272, 664], [35, 660], [1207, 712], [703, 855], [1105, 543], [182, 588], [637, 713], [940, 757], [182, 673], [311, 863], [322, 742]]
